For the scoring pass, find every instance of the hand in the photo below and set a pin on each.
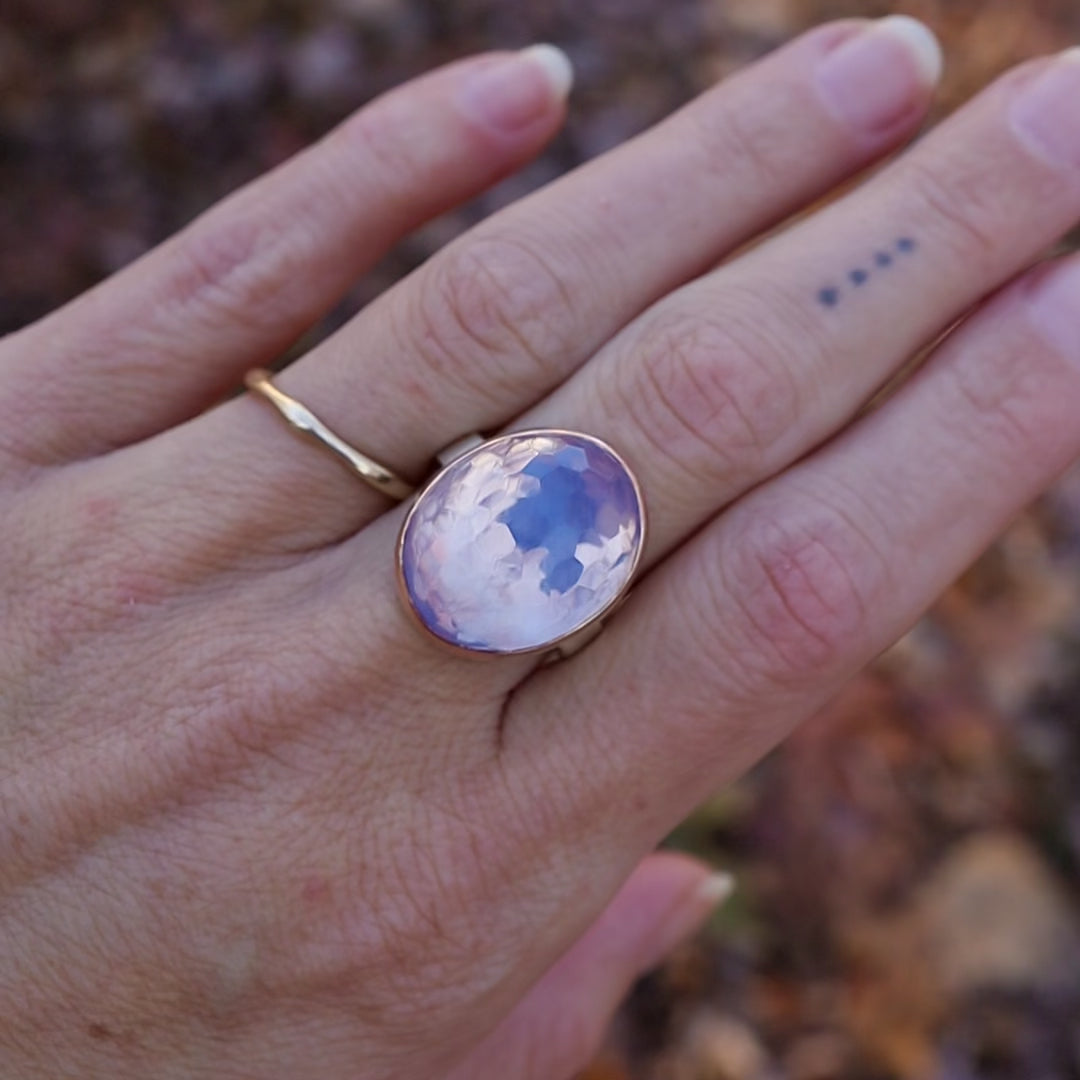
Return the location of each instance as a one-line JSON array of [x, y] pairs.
[[253, 823]]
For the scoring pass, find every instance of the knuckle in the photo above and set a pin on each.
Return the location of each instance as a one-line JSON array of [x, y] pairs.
[[89, 559], [377, 135], [760, 150], [959, 206], [237, 261], [711, 394], [991, 400], [797, 584], [487, 300]]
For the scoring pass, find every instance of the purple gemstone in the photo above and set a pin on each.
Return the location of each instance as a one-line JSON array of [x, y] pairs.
[[522, 541]]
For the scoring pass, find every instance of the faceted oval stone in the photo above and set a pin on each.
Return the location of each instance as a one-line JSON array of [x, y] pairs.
[[521, 541]]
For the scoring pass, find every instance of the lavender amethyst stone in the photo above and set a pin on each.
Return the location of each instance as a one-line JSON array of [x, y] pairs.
[[521, 541]]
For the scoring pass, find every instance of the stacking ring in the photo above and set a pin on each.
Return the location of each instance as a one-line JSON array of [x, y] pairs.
[[522, 543]]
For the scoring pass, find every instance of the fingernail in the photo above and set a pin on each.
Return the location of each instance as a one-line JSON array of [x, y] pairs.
[[690, 915], [515, 92], [715, 890], [874, 79], [1054, 303], [1046, 115]]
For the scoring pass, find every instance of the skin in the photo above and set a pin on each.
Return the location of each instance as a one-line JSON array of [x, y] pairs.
[[252, 823]]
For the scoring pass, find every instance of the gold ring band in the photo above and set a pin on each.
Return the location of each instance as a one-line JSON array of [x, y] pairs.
[[302, 419]]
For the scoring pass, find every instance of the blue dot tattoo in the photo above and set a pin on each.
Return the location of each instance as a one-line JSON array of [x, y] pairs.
[[859, 276]]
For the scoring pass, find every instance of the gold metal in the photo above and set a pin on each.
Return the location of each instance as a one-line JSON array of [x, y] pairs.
[[305, 421], [458, 449], [573, 643], [561, 648]]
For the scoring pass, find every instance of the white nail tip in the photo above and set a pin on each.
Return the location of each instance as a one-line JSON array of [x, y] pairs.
[[922, 43], [716, 889], [556, 66]]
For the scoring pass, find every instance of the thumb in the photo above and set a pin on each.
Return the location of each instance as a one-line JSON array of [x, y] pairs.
[[557, 1028]]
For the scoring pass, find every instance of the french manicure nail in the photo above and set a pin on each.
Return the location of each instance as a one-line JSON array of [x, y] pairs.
[[512, 93], [878, 76], [1045, 115]]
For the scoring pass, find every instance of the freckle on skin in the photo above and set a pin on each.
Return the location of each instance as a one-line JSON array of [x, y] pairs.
[[98, 1031]]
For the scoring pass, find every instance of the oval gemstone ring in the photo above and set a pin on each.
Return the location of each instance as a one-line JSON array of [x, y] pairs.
[[522, 544]]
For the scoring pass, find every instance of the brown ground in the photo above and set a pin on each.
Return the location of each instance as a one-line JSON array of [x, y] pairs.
[[909, 865]]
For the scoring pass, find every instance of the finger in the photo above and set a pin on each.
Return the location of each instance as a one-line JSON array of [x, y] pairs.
[[758, 620], [744, 372], [558, 1027], [510, 310], [158, 342]]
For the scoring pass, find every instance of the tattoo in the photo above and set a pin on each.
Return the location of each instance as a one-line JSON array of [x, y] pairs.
[[831, 295]]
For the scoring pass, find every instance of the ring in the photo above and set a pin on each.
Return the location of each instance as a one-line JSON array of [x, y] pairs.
[[302, 419], [521, 544]]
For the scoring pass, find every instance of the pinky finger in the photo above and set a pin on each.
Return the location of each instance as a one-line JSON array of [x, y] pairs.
[[559, 1025], [163, 339]]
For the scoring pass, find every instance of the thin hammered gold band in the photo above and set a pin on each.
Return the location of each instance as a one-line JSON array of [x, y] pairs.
[[304, 420]]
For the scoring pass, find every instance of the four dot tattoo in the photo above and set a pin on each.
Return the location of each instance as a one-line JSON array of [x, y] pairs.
[[859, 277]]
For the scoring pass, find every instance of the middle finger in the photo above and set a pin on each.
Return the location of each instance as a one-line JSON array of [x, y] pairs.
[[736, 376]]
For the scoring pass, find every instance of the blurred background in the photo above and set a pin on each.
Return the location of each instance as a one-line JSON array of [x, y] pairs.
[[909, 864]]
